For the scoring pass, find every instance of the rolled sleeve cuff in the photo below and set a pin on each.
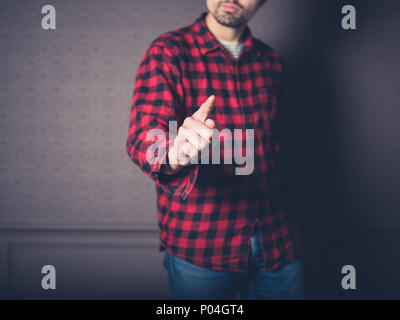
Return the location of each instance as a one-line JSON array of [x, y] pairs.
[[181, 183]]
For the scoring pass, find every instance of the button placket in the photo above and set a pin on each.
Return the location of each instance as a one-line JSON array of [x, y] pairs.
[[238, 92]]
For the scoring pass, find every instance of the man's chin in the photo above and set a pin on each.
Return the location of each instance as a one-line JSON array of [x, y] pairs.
[[229, 23], [228, 20]]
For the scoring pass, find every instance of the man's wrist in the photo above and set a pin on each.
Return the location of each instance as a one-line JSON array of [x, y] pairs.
[[169, 168], [166, 169]]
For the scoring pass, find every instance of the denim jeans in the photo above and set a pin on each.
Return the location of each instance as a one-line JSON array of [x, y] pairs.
[[188, 281]]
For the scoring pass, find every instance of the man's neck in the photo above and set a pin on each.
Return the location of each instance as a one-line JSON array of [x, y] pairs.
[[223, 32]]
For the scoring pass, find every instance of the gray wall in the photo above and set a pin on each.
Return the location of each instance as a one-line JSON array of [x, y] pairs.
[[71, 197]]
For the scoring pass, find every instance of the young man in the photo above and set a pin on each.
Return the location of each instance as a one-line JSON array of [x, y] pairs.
[[223, 233]]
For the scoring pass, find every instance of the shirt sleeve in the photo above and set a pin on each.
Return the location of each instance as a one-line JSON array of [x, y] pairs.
[[157, 100], [281, 109]]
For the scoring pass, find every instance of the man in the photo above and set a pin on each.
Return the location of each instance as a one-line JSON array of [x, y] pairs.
[[223, 233]]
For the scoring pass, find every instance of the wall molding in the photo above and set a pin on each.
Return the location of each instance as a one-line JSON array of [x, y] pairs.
[[79, 227], [76, 237]]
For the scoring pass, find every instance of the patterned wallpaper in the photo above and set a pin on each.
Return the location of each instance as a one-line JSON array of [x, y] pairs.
[[65, 103]]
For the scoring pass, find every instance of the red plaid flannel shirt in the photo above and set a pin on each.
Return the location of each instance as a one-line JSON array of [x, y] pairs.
[[207, 213]]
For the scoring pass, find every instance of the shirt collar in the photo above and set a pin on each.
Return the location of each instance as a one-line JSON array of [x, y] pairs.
[[208, 42]]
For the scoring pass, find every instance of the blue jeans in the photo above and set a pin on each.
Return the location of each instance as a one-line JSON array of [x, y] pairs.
[[188, 281]]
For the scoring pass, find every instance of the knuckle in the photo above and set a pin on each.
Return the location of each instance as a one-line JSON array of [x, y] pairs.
[[184, 148], [181, 131], [191, 120]]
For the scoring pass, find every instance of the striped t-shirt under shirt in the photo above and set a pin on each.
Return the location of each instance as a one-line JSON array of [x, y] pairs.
[[233, 47]]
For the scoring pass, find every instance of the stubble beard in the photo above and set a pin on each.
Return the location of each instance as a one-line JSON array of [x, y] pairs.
[[229, 19]]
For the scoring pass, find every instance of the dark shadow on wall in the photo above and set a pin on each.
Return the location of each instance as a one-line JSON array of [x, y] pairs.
[[331, 226]]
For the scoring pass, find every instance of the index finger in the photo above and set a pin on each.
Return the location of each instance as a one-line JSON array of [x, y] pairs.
[[204, 111]]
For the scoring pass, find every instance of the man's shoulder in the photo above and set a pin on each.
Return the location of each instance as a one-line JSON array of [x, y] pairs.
[[176, 40], [267, 50]]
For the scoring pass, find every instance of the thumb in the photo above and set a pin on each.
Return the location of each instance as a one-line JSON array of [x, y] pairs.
[[205, 109]]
